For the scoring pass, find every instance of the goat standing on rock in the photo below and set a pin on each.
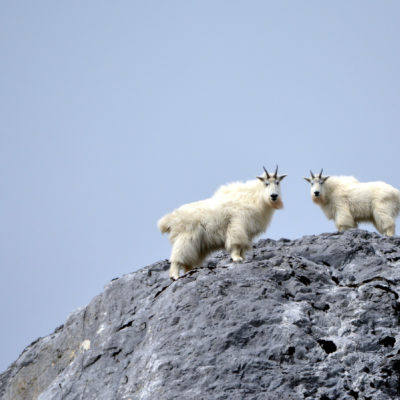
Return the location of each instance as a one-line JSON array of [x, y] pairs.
[[348, 202], [230, 219]]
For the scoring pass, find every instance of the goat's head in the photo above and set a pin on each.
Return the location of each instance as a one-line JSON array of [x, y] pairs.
[[272, 188], [317, 187]]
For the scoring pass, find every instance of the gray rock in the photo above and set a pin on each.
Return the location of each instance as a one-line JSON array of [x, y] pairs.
[[315, 318]]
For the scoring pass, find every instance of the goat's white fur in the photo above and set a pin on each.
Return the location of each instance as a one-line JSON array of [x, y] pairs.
[[348, 202], [230, 219]]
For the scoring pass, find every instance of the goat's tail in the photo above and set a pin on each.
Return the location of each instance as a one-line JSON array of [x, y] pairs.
[[164, 224]]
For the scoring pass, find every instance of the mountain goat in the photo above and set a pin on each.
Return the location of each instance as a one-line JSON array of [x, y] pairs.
[[348, 202], [230, 219]]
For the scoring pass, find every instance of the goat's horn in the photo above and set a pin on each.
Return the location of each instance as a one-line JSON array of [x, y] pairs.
[[266, 173], [276, 172], [312, 175], [320, 174]]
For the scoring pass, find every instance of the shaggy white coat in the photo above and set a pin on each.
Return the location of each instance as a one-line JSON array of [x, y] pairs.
[[230, 219], [348, 202]]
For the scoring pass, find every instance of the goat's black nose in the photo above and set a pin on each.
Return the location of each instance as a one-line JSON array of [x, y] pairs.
[[274, 196], [316, 193]]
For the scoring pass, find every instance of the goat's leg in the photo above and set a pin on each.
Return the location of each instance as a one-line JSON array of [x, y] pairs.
[[185, 255], [384, 223], [174, 270], [237, 241], [237, 253], [345, 221]]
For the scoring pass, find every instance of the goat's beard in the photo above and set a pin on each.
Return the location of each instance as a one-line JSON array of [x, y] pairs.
[[277, 204], [318, 200]]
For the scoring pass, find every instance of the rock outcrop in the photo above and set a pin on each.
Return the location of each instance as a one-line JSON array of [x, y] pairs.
[[313, 318]]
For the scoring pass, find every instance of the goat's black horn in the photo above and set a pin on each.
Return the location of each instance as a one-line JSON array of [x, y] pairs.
[[266, 173], [320, 174], [276, 172], [312, 175]]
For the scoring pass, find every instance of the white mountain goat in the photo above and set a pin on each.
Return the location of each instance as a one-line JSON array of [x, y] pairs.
[[348, 202], [230, 219]]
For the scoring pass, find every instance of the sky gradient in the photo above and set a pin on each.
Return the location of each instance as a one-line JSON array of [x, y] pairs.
[[115, 113]]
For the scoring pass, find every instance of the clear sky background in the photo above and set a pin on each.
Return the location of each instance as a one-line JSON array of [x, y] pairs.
[[115, 113]]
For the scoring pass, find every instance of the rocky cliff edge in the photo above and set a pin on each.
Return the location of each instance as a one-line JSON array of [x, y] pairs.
[[313, 318]]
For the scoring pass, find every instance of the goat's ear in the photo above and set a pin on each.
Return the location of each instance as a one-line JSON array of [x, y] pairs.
[[308, 180], [325, 178], [261, 179], [280, 177]]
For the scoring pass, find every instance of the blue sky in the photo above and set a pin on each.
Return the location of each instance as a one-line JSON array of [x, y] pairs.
[[115, 113]]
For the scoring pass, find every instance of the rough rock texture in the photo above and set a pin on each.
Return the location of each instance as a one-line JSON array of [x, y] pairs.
[[314, 318]]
